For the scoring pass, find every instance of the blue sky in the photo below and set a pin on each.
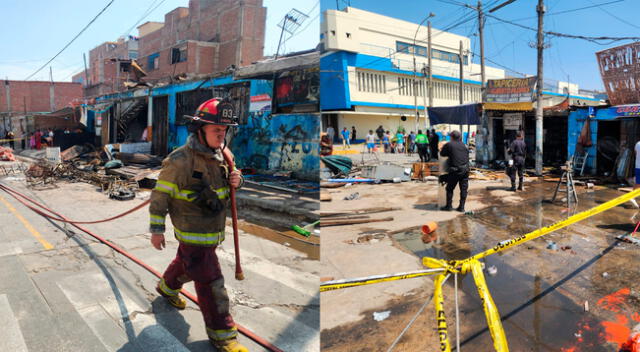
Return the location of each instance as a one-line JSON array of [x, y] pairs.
[[565, 59], [33, 31]]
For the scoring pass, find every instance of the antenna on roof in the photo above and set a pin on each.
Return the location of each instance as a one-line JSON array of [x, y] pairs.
[[290, 23]]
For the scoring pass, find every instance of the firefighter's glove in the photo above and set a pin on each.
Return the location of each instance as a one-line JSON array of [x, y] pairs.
[[442, 179], [207, 199]]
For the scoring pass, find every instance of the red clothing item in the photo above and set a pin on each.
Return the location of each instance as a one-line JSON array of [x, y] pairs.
[[201, 265], [38, 136]]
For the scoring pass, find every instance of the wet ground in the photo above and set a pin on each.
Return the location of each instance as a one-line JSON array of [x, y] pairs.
[[540, 293]]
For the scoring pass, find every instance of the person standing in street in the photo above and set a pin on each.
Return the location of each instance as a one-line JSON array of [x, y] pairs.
[[371, 141], [411, 143], [353, 134], [434, 139], [346, 141], [193, 188], [331, 133], [422, 142], [518, 151], [380, 134], [458, 162]]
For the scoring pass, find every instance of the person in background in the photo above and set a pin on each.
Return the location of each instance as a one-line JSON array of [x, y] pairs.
[[353, 134], [346, 141], [399, 142], [434, 139], [386, 141], [331, 133], [518, 151], [458, 155], [411, 142], [423, 146], [380, 134], [371, 141], [326, 146]]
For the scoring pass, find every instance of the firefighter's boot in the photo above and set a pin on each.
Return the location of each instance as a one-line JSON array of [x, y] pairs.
[[175, 301], [228, 345]]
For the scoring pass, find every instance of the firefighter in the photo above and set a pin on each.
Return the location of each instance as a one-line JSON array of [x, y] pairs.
[[193, 187]]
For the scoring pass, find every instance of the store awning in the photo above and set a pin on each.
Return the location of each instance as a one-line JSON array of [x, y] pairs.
[[468, 114], [525, 106]]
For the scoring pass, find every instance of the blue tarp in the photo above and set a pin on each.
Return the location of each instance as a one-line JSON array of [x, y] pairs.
[[468, 114]]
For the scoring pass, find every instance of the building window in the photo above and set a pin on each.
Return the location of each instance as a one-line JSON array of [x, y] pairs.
[[178, 54], [153, 61], [133, 54], [125, 66], [371, 82]]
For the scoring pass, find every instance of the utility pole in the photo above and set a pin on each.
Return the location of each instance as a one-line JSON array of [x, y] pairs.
[[424, 95], [539, 112], [415, 91], [429, 63], [484, 130], [461, 86], [86, 72]]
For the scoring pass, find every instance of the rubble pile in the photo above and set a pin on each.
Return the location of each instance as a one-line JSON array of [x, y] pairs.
[[84, 163]]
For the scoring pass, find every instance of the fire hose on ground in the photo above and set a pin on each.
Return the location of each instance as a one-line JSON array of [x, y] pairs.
[[26, 200]]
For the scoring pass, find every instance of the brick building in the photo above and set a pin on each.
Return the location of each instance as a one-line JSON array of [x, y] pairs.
[[19, 99], [209, 36], [26, 97]]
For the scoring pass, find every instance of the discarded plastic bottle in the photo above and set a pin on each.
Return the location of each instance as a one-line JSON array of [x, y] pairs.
[[469, 212]]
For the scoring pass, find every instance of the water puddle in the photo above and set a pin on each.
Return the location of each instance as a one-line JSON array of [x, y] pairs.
[[540, 301]]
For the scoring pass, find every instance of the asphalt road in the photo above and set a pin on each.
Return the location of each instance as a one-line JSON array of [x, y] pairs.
[[61, 290]]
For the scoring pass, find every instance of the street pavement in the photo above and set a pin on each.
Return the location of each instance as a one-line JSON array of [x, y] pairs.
[[62, 290]]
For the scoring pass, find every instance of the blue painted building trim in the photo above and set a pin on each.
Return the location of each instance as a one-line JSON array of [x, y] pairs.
[[334, 79], [384, 105]]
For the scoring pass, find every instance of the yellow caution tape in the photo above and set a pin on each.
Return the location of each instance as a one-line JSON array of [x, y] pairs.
[[338, 284], [9, 140], [504, 245], [490, 309], [473, 265], [441, 318]]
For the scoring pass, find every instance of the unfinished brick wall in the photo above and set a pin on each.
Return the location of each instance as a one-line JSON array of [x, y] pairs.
[[34, 96]]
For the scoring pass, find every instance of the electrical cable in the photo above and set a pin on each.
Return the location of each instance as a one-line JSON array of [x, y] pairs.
[[72, 40]]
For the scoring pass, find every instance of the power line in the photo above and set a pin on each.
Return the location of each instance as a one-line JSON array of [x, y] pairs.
[[596, 40], [72, 40], [147, 12], [616, 17], [568, 11]]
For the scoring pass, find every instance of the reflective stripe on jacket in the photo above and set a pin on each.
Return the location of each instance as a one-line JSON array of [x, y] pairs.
[[184, 172]]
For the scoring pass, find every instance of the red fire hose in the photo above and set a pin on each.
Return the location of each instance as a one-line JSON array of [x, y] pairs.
[[17, 195], [234, 216]]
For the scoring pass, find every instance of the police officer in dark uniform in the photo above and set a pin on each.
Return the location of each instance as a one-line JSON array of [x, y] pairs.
[[518, 151], [458, 155]]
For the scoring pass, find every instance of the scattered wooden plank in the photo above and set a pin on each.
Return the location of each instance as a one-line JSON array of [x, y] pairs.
[[326, 223], [358, 211], [331, 185], [325, 197]]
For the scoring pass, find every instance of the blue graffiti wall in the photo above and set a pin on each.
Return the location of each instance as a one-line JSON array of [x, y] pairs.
[[287, 142]]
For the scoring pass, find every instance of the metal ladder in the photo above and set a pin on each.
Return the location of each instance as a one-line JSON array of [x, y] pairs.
[[570, 189], [579, 162]]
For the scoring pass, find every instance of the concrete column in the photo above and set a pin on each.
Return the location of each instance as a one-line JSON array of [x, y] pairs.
[[52, 97], [7, 91]]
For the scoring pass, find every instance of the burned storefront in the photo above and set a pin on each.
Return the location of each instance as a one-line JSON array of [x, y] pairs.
[[611, 134]]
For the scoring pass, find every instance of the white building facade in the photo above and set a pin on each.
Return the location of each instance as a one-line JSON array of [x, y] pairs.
[[367, 72]]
